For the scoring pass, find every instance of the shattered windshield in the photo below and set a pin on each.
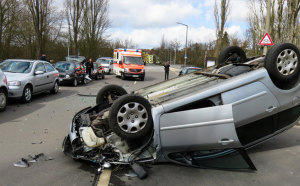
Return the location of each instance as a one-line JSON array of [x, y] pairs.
[[133, 60], [16, 66]]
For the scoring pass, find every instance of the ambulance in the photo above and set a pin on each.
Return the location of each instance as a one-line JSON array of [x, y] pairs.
[[128, 63]]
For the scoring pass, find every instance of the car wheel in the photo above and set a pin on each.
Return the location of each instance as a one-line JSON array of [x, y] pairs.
[[55, 88], [3, 100], [282, 64], [130, 117], [75, 82], [233, 54], [97, 76], [27, 94], [122, 76], [142, 78], [103, 77], [109, 94]]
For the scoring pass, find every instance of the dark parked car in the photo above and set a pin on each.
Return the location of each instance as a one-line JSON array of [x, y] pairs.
[[187, 70], [204, 119], [71, 72]]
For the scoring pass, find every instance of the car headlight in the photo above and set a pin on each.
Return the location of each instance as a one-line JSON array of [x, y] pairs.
[[14, 83], [67, 76]]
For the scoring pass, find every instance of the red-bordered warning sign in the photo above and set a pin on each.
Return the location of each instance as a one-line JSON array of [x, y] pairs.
[[266, 40]]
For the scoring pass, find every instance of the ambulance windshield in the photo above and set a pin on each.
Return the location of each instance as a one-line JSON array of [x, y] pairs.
[[133, 60]]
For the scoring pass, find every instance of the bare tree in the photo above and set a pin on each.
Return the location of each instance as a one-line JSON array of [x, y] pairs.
[[74, 15], [293, 7], [9, 12], [40, 11], [221, 16], [96, 22]]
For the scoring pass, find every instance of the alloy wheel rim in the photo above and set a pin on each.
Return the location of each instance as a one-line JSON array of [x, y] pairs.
[[27, 94], [287, 62], [132, 117], [2, 100], [56, 87]]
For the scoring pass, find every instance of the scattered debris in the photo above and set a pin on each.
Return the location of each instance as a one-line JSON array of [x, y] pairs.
[[24, 163]]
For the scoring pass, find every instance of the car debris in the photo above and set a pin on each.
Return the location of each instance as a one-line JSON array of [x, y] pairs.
[[27, 162], [205, 119]]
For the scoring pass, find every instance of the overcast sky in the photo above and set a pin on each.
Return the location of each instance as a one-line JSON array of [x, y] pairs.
[[146, 21]]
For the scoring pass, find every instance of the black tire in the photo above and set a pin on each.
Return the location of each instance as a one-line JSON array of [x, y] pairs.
[[27, 94], [142, 78], [103, 77], [114, 91], [133, 110], [55, 88], [3, 100], [233, 54], [123, 76], [282, 64], [97, 76], [75, 82]]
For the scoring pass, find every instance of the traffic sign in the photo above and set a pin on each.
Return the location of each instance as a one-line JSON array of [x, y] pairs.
[[266, 40]]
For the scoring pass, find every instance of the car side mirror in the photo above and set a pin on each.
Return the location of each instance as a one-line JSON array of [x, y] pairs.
[[39, 72]]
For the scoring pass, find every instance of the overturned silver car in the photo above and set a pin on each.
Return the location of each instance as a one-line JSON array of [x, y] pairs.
[[203, 119]]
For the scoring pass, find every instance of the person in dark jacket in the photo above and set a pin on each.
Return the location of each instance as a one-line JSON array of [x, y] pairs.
[[167, 69], [43, 57], [89, 67]]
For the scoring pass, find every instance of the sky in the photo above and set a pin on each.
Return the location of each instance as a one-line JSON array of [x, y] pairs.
[[145, 22]]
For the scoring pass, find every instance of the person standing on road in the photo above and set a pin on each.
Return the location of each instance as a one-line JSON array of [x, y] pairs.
[[167, 69], [89, 67]]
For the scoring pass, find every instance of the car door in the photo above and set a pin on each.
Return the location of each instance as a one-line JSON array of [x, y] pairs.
[[51, 75], [39, 80], [254, 110], [199, 129]]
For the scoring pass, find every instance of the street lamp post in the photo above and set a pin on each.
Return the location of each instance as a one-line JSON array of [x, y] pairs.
[[185, 55]]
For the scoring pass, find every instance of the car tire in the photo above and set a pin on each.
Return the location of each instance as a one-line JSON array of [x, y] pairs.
[[55, 88], [75, 82], [27, 94], [142, 78], [130, 117], [97, 76], [283, 66], [103, 76], [109, 94], [3, 100], [122, 76], [232, 53]]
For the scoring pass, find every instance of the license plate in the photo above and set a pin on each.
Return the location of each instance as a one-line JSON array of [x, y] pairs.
[[135, 75]]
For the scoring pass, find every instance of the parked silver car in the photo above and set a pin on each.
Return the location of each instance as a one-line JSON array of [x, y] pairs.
[[203, 119], [106, 63], [28, 77], [3, 91]]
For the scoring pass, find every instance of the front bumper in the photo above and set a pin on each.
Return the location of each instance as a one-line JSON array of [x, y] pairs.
[[64, 80], [15, 91], [134, 75]]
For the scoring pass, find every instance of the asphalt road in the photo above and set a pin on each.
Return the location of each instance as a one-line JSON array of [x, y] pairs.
[[40, 126]]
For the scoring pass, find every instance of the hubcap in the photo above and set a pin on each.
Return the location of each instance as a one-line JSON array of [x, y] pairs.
[[287, 62], [27, 94], [56, 87], [132, 117], [2, 100]]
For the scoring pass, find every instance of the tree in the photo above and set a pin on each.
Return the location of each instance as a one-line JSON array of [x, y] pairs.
[[293, 7], [74, 16], [221, 17], [39, 11], [95, 23]]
